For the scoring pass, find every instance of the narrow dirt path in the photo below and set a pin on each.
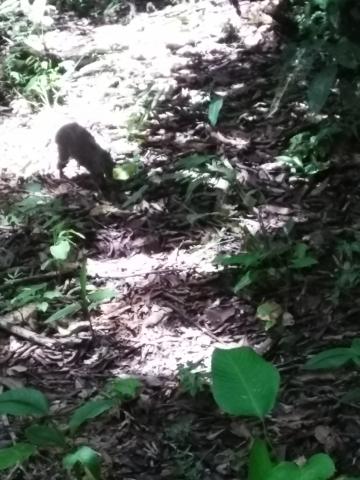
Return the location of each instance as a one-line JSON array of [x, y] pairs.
[[153, 79]]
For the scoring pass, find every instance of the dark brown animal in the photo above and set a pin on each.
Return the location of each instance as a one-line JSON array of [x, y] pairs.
[[74, 141]]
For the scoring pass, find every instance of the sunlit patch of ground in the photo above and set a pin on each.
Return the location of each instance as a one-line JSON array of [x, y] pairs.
[[129, 66]]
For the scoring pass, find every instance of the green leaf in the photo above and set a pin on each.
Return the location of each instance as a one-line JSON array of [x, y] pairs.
[[42, 306], [11, 456], [125, 171], [244, 281], [285, 471], [89, 410], [301, 258], [64, 312], [318, 467], [102, 295], [243, 259], [60, 250], [88, 459], [214, 110], [269, 312], [34, 187], [332, 358], [125, 388], [243, 383], [352, 396], [136, 196], [23, 401], [45, 436], [320, 87], [193, 161], [51, 294], [304, 262], [260, 464]]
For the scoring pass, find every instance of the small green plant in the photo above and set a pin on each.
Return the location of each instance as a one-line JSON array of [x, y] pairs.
[[347, 260], [308, 153], [336, 358], [44, 432], [88, 299], [244, 384], [63, 240], [44, 214], [192, 380], [210, 171], [266, 261], [40, 294], [34, 76], [187, 467], [263, 467]]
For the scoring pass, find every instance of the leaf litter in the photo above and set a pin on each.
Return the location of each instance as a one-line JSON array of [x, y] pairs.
[[174, 305]]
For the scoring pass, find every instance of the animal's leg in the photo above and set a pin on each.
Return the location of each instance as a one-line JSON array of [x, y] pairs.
[[64, 156]]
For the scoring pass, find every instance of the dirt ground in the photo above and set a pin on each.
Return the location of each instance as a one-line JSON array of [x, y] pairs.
[[174, 305]]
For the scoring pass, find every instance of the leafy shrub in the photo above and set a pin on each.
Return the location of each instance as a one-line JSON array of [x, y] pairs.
[[308, 152], [45, 433], [34, 75], [326, 54], [266, 261]]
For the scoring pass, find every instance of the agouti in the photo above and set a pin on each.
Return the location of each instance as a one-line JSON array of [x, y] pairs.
[[74, 141]]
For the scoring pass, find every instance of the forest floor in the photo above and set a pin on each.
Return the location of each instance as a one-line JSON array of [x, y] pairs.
[[143, 89]]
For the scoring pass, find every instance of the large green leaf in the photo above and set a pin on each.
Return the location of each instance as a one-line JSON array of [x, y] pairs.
[[320, 87], [9, 457], [243, 383], [89, 410], [260, 464], [88, 459], [23, 401], [45, 436]]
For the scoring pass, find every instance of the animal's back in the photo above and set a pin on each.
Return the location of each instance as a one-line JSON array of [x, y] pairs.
[[78, 141]]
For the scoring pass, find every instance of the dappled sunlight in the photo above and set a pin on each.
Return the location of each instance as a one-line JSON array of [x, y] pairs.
[[198, 219], [180, 261], [119, 69]]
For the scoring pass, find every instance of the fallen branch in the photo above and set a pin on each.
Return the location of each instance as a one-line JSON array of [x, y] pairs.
[[9, 323], [68, 270]]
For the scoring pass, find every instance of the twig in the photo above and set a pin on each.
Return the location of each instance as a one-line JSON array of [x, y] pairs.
[[7, 323], [39, 277]]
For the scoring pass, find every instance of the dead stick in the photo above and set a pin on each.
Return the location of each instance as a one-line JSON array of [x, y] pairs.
[[41, 276], [7, 323]]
